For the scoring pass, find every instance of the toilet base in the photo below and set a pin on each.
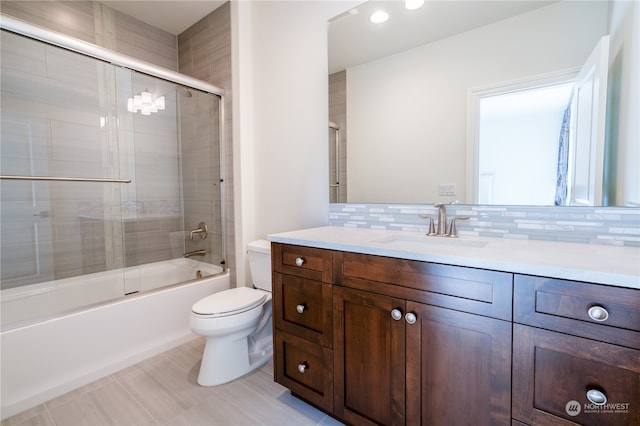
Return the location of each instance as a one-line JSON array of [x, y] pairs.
[[223, 363]]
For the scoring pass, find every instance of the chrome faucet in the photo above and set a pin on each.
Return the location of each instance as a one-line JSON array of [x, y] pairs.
[[442, 223], [442, 219]]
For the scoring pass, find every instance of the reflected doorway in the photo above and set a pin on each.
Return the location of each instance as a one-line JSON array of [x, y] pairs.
[[524, 126]]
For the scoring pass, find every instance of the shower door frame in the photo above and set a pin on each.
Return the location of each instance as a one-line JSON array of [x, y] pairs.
[[53, 38]]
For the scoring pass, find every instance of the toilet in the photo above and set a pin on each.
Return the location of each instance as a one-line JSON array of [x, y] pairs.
[[236, 323]]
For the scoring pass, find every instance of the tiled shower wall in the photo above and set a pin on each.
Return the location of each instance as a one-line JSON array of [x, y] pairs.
[[589, 225], [204, 52], [338, 115]]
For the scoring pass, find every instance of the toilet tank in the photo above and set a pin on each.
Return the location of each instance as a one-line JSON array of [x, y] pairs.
[[259, 253]]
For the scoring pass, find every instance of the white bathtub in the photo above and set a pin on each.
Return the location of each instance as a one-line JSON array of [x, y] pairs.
[[32, 303], [46, 359]]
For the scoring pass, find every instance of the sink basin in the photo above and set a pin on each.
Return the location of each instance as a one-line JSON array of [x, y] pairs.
[[414, 241]]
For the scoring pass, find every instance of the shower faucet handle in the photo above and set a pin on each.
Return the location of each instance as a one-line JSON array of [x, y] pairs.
[[201, 230]]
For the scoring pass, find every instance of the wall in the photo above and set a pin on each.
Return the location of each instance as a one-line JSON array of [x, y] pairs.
[[280, 70], [624, 104], [424, 107], [101, 25]]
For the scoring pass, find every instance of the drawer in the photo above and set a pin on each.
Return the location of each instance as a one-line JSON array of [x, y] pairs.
[[553, 374], [307, 262], [476, 291], [303, 307], [306, 368], [600, 312]]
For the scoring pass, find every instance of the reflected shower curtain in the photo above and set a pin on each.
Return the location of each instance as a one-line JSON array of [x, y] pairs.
[[563, 156]]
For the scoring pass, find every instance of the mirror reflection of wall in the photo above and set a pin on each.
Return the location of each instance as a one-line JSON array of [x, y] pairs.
[[407, 112]]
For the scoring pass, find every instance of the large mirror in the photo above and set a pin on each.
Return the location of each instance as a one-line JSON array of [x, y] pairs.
[[413, 103]]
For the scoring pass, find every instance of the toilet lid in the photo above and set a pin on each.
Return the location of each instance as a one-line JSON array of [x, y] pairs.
[[229, 301]]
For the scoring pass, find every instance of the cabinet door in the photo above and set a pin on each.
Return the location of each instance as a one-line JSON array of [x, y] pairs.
[[565, 380], [458, 368], [369, 358]]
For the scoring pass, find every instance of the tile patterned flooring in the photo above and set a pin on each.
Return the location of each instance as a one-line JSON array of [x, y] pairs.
[[163, 391]]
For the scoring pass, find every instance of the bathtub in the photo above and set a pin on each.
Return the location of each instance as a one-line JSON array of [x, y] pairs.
[[72, 347], [32, 303]]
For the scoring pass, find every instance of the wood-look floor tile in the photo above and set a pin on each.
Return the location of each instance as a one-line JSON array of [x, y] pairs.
[[188, 355], [80, 392], [269, 402], [162, 387], [163, 390], [107, 405], [219, 410], [36, 416], [330, 421]]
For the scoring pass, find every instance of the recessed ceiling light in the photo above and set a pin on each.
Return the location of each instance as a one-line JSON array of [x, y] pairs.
[[379, 17], [413, 4]]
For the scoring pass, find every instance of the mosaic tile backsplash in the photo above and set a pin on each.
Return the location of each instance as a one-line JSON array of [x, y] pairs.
[[588, 225]]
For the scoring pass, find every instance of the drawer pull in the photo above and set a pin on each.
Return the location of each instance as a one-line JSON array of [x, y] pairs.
[[396, 314], [299, 261], [596, 397], [410, 318], [598, 313], [303, 367], [301, 308]]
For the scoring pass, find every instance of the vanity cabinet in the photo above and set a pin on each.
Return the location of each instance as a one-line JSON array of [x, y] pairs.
[[576, 353], [375, 340], [414, 342], [302, 326]]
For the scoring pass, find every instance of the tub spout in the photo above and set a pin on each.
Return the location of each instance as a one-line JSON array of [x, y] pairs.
[[194, 253]]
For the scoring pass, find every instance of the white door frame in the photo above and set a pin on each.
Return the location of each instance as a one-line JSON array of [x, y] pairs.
[[475, 94]]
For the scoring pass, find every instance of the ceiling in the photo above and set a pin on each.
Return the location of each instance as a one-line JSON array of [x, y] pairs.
[[353, 39], [173, 16]]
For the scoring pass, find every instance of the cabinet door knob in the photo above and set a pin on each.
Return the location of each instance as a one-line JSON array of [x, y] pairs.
[[301, 308], [396, 314], [302, 367], [596, 396], [410, 318], [299, 261], [598, 313]]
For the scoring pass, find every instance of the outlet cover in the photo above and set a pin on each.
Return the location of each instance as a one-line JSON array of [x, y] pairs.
[[448, 189]]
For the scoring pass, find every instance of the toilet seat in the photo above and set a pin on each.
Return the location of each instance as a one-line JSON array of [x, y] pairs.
[[229, 302]]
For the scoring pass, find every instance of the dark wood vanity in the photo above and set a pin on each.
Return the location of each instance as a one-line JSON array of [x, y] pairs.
[[376, 340]]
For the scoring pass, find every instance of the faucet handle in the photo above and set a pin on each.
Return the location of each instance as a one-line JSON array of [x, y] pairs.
[[202, 230], [453, 231], [432, 227]]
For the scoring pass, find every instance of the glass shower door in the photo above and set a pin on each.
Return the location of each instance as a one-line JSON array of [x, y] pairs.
[[25, 215], [54, 145], [131, 166]]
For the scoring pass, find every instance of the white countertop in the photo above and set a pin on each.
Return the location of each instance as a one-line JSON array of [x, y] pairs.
[[618, 266]]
